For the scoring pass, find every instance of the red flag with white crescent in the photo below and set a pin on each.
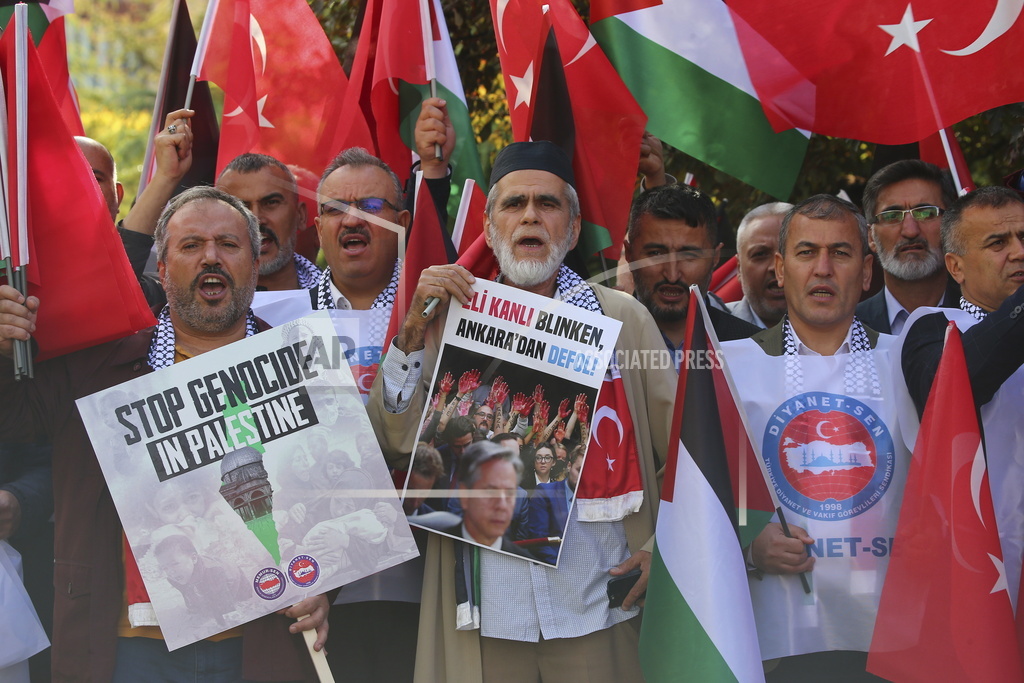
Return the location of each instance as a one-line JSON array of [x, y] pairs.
[[610, 486]]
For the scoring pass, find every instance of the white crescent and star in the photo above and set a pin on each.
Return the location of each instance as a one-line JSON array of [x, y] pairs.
[[606, 413], [905, 32], [256, 34], [821, 425]]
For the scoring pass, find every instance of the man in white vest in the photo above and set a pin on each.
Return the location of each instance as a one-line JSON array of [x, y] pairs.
[[818, 393]]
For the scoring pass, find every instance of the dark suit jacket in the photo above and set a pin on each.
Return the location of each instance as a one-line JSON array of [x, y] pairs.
[[506, 545], [874, 312], [773, 341], [994, 349], [549, 513]]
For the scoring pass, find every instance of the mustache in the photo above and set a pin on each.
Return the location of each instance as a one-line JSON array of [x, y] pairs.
[[271, 235], [360, 230], [213, 270]]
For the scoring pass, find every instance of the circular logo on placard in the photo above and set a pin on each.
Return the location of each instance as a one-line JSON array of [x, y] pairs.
[[828, 456], [303, 570], [269, 583]]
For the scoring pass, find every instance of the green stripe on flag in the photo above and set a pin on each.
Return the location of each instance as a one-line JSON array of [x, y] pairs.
[[673, 644], [465, 161], [702, 115]]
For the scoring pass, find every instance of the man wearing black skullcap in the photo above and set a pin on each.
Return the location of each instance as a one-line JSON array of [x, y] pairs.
[[535, 622]]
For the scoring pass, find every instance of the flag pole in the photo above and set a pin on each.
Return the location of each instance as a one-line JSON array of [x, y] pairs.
[[952, 162], [158, 104], [19, 279], [204, 41], [428, 59]]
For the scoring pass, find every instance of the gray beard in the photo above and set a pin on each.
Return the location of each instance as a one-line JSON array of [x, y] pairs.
[[913, 268], [529, 273]]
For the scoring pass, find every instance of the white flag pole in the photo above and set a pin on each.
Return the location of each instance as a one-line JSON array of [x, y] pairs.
[[23, 351], [203, 43], [960, 191], [428, 57]]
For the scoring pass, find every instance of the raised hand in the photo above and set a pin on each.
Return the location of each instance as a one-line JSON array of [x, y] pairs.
[[521, 403], [560, 432], [541, 413], [499, 392], [469, 381], [582, 409], [563, 409], [538, 393], [446, 383]]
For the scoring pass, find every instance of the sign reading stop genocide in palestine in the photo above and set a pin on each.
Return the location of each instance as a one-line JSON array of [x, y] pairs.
[[247, 478]]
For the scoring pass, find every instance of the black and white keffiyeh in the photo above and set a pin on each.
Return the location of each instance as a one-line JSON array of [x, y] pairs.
[[861, 375], [976, 311], [386, 299], [572, 289], [309, 274], [161, 349]]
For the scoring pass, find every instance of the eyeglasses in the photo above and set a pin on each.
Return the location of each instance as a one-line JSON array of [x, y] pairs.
[[481, 413], [920, 213], [545, 458], [374, 205]]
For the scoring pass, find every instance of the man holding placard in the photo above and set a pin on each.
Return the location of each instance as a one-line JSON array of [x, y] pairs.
[[208, 246]]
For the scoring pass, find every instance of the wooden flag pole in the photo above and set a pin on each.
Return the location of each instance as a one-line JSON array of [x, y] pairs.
[[323, 669]]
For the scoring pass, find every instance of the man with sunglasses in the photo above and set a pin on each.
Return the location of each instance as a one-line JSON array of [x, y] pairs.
[[903, 203]]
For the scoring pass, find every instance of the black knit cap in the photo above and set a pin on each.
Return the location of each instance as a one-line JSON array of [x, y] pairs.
[[533, 156]]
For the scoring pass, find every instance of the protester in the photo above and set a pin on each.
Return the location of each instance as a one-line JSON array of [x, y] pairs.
[[819, 392], [205, 235], [671, 243], [757, 240], [983, 237], [268, 189], [532, 221], [903, 203]]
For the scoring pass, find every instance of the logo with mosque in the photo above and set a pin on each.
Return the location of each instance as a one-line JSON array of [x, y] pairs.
[[828, 456]]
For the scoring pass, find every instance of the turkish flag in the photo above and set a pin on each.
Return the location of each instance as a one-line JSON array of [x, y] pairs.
[[945, 612], [469, 222], [389, 55], [479, 259], [561, 87], [77, 265], [884, 71], [284, 89], [725, 281], [424, 247], [611, 471]]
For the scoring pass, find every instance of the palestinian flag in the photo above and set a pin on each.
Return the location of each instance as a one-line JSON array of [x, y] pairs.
[[393, 65], [698, 621], [682, 61]]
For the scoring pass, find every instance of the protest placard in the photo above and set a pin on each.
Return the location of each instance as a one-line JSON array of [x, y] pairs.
[[513, 361], [247, 478], [361, 332]]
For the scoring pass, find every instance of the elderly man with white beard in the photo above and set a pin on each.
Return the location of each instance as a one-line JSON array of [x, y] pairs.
[[536, 622]]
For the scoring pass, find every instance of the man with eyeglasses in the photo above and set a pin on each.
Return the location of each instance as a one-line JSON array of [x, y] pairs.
[[903, 203], [361, 209], [672, 243]]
